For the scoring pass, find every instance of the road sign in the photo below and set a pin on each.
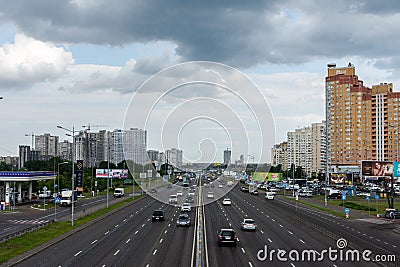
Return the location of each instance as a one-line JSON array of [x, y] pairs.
[[57, 200], [344, 197], [346, 210], [376, 196], [367, 197]]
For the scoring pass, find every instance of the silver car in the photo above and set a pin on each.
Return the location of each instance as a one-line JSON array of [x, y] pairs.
[[248, 224]]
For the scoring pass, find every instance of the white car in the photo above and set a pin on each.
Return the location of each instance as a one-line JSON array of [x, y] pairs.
[[179, 193], [269, 195], [186, 207], [226, 202], [210, 195], [220, 186], [173, 199], [248, 224]]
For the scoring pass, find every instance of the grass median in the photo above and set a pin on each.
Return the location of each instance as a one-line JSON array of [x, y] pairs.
[[19, 245]]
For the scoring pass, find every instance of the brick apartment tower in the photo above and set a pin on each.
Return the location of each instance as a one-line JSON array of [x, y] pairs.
[[362, 122]]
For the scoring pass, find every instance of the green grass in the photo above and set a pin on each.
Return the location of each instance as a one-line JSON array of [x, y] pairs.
[[28, 241], [357, 206]]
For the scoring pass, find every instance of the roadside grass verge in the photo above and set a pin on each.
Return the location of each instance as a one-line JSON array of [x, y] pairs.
[[21, 244], [327, 210]]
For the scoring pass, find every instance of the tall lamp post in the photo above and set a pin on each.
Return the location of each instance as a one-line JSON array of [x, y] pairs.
[[58, 188], [73, 169]]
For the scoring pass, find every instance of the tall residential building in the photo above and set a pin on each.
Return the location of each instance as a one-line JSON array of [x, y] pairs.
[[318, 152], [227, 156], [299, 148], [279, 155], [135, 145], [104, 143], [362, 122], [117, 151], [65, 150], [47, 146], [24, 153], [174, 157]]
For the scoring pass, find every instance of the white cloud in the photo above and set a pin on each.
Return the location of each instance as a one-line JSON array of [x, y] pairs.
[[28, 61]]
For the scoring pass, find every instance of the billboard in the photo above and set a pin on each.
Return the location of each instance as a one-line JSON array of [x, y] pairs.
[[396, 170], [112, 173], [337, 178], [267, 176], [376, 168]]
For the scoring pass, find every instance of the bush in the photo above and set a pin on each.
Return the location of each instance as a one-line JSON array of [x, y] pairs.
[[356, 206]]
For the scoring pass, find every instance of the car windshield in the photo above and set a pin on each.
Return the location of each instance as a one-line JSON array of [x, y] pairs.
[[227, 233], [248, 221], [183, 216], [158, 213]]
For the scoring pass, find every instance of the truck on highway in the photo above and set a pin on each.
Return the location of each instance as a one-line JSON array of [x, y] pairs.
[[68, 197], [119, 192]]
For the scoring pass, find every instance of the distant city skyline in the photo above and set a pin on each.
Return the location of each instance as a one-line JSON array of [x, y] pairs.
[[61, 71]]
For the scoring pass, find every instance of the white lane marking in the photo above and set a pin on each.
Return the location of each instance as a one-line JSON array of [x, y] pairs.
[[262, 231], [273, 220], [116, 226], [94, 242], [281, 225], [148, 219], [243, 251], [79, 252], [169, 225], [290, 233], [131, 215], [251, 265], [165, 231], [292, 265], [136, 232], [302, 241], [106, 233], [124, 220], [161, 240], [155, 251], [143, 225], [116, 252], [270, 241]]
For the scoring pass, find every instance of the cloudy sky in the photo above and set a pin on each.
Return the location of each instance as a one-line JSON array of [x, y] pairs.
[[80, 62]]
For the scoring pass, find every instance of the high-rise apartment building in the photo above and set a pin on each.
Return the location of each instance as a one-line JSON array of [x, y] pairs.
[[174, 157], [47, 146], [227, 156], [279, 155], [362, 122], [24, 155], [135, 145]]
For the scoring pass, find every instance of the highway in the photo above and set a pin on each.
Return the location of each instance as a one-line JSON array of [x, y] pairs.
[[128, 237]]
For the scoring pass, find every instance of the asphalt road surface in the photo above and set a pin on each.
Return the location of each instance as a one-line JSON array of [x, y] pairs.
[[285, 232]]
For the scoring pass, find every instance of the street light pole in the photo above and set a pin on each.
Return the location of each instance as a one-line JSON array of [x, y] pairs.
[[73, 170]]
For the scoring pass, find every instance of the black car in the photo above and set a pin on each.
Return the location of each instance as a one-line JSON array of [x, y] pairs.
[[158, 215], [183, 220], [390, 214], [226, 236], [244, 189], [153, 190], [335, 196], [254, 192]]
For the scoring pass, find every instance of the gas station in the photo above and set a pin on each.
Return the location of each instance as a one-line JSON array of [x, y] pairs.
[[7, 177]]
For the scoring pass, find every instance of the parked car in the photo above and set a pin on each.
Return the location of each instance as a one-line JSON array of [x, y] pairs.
[[226, 236], [335, 196], [248, 224], [183, 220], [153, 190], [390, 214], [305, 193]]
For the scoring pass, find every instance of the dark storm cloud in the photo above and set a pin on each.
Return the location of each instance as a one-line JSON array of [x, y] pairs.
[[238, 33]]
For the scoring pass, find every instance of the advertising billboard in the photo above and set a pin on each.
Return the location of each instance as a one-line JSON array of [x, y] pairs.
[[112, 173], [376, 168], [396, 170], [337, 178], [267, 177]]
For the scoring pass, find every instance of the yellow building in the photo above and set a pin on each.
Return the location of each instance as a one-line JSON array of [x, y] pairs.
[[362, 122]]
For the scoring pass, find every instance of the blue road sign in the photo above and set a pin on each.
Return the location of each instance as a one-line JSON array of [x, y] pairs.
[[57, 200], [376, 196], [347, 210], [344, 197], [367, 197]]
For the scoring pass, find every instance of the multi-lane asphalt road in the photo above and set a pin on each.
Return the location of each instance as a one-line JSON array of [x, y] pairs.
[[128, 237]]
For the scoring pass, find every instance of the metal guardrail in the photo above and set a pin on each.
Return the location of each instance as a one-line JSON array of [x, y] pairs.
[[23, 231]]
